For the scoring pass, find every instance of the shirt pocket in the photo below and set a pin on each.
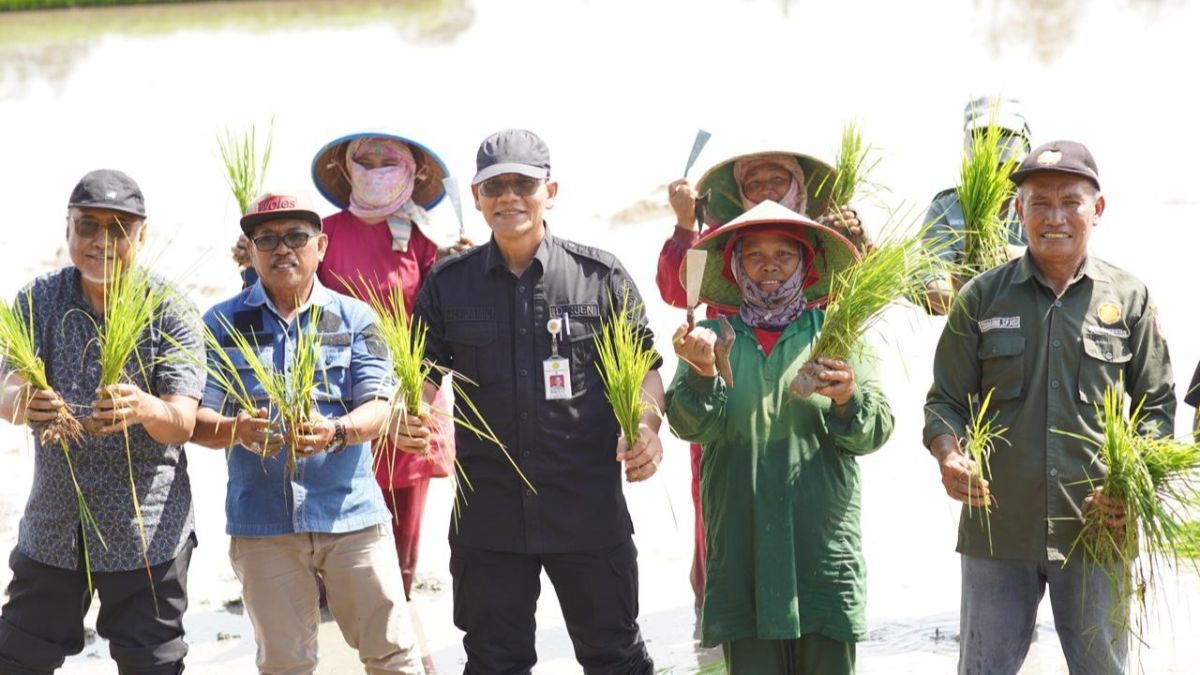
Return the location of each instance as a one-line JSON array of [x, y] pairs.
[[1002, 365], [476, 351], [580, 349], [1104, 359], [334, 381]]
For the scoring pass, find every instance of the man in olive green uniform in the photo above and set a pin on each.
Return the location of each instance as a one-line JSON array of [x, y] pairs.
[[945, 215], [1045, 334]]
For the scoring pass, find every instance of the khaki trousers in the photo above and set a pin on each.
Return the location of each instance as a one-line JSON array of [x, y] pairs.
[[363, 587]]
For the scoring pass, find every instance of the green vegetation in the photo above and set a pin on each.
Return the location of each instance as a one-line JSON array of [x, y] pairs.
[[983, 189], [624, 363], [16, 5], [979, 445], [245, 167], [855, 162]]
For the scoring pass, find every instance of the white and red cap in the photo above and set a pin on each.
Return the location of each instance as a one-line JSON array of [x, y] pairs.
[[275, 205]]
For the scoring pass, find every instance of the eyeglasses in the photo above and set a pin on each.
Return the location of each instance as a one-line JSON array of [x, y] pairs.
[[116, 229], [521, 187], [294, 240]]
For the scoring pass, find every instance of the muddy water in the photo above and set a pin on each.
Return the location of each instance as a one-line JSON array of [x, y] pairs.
[[618, 89]]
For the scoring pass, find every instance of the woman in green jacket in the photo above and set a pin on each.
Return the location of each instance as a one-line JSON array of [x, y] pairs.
[[779, 485]]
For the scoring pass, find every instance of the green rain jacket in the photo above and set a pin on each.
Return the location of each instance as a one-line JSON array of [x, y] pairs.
[[780, 490]]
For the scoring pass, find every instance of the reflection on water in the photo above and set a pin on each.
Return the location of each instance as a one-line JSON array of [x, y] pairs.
[[47, 44]]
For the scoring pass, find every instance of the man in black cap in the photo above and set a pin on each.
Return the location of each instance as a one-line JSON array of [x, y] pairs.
[[517, 318], [1044, 336], [60, 555]]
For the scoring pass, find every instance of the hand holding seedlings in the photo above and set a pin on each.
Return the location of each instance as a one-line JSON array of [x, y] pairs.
[[1113, 510], [37, 406], [254, 432], [845, 221], [696, 348], [961, 481], [410, 433], [313, 436], [683, 196], [121, 406], [642, 460], [836, 380]]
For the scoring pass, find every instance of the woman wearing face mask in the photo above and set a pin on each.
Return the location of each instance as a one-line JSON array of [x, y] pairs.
[[779, 482], [384, 185]]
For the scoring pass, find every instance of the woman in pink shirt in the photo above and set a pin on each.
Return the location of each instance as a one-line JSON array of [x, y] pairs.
[[384, 185]]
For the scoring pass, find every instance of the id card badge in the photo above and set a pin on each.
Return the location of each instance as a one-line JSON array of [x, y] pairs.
[[557, 372]]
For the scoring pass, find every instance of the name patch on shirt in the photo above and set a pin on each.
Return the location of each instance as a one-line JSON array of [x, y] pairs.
[[1108, 330], [470, 313], [1000, 323], [575, 310]]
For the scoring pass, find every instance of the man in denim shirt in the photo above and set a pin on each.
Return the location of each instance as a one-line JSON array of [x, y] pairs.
[[325, 517]]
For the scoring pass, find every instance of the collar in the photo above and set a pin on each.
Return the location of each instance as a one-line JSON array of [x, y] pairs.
[[257, 297], [1027, 269], [495, 259]]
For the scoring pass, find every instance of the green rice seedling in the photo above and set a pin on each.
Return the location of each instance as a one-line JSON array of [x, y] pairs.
[[855, 161], [1154, 479], [979, 444], [896, 269], [405, 337], [624, 362], [18, 352], [245, 167], [983, 190]]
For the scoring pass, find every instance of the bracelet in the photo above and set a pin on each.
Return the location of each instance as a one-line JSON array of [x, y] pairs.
[[338, 443]]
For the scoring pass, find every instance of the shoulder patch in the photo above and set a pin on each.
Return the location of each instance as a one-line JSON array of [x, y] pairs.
[[590, 252], [375, 345]]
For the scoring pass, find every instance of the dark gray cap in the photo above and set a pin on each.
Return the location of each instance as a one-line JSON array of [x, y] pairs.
[[109, 189], [512, 151], [1060, 157]]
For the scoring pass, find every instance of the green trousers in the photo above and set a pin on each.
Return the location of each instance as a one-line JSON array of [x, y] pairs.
[[812, 654]]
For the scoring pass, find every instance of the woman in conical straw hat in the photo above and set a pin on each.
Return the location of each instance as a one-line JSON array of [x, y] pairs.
[[384, 185], [779, 483], [797, 181]]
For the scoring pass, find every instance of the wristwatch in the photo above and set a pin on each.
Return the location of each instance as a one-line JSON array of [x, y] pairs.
[[338, 443]]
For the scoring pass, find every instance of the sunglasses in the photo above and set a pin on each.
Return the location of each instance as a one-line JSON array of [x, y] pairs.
[[293, 240], [116, 230], [521, 187]]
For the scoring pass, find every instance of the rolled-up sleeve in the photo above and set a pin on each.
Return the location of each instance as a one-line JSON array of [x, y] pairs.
[[179, 371], [370, 364]]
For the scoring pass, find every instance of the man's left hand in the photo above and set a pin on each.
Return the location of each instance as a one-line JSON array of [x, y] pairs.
[[123, 406], [313, 436], [641, 461], [1111, 510], [837, 380]]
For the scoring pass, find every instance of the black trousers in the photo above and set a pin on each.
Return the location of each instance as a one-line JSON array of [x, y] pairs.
[[42, 622], [495, 595]]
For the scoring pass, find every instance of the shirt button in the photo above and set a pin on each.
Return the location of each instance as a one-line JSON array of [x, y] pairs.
[[1108, 356], [526, 330], [521, 289], [1056, 343], [1053, 473], [1054, 384], [525, 453], [524, 415], [524, 373], [1058, 303], [528, 492]]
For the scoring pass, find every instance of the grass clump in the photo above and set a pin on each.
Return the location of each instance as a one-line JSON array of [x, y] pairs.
[[624, 363], [895, 269], [855, 161], [1154, 479], [245, 166], [978, 446], [983, 189], [18, 352]]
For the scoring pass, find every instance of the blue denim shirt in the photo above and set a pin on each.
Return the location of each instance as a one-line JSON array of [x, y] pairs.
[[329, 493]]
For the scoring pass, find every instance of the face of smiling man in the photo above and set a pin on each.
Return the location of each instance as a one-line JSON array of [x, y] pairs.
[[1058, 211], [287, 265]]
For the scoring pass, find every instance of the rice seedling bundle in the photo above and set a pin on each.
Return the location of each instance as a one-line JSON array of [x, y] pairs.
[[1155, 480], [980, 442], [625, 362], [895, 269], [855, 162], [18, 351], [983, 189], [245, 167]]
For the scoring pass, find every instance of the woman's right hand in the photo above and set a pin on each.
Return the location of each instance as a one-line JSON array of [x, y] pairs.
[[683, 201], [241, 252], [253, 432], [697, 349]]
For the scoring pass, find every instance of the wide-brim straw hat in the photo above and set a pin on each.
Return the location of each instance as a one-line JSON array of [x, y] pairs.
[[830, 253], [725, 201], [332, 184]]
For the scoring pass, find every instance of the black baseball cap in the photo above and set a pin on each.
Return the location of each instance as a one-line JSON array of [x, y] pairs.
[[512, 151], [1062, 157], [109, 189]]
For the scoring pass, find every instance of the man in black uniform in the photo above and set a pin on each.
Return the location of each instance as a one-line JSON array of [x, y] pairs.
[[516, 318]]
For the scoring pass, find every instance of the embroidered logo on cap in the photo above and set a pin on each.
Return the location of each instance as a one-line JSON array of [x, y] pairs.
[[110, 195], [1108, 313], [1049, 158]]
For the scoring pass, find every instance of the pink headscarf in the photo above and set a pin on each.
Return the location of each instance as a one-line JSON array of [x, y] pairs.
[[796, 198], [376, 194]]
